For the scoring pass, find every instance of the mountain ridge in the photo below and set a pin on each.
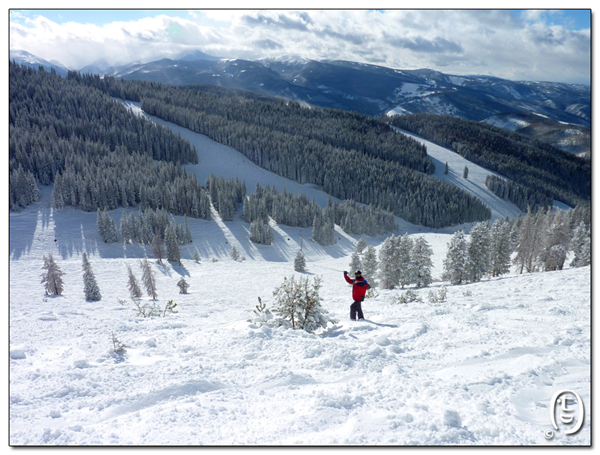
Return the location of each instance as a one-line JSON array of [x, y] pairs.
[[564, 109]]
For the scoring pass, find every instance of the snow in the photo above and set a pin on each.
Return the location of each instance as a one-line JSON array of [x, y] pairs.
[[478, 369]]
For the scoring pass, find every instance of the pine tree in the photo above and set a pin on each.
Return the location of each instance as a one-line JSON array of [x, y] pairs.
[[90, 286], [581, 246], [298, 304], [196, 256], [157, 247], [455, 264], [235, 254], [500, 247], [388, 266], [466, 173], [148, 278], [52, 277], [360, 245], [446, 168], [420, 262], [556, 241], [110, 228], [355, 263], [525, 242], [133, 285], [478, 250], [403, 257], [370, 266], [58, 201], [172, 244], [300, 262], [126, 232]]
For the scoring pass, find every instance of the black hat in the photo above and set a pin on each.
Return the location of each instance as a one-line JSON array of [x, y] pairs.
[[358, 273]]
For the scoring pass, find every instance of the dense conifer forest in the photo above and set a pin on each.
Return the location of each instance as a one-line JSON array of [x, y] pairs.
[[93, 149], [536, 166], [351, 156]]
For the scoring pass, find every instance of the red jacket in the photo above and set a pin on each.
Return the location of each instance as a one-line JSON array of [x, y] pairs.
[[359, 288]]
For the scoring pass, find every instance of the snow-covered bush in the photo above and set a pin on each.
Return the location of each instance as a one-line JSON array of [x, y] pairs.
[[183, 286], [299, 306], [441, 295], [408, 296]]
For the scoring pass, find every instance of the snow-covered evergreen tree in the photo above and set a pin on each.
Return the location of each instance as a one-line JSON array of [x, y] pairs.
[[148, 278], [524, 248], [133, 285], [420, 262], [500, 247], [157, 247], [172, 244], [58, 201], [406, 271], [455, 264], [323, 230], [107, 227], [90, 286], [300, 262], [235, 254], [478, 250], [388, 264], [355, 263], [126, 232], [581, 246], [556, 241], [196, 256], [298, 304], [370, 266], [52, 277], [360, 245], [258, 233]]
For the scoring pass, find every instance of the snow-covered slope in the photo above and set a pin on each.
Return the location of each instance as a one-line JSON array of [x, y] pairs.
[[478, 369]]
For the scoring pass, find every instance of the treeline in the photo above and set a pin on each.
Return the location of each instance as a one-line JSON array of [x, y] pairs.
[[520, 195], [536, 242], [104, 156], [349, 155], [547, 170]]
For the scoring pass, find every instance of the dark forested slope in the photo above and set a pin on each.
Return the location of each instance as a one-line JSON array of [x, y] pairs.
[[352, 156], [553, 173]]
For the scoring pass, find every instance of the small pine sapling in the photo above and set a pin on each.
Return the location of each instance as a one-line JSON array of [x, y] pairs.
[[300, 262], [118, 346], [170, 306]]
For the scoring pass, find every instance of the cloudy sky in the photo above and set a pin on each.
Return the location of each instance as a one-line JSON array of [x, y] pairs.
[[542, 45]]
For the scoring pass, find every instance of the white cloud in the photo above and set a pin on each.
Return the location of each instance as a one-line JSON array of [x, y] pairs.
[[494, 42]]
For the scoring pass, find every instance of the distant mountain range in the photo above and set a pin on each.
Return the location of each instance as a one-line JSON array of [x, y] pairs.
[[556, 113]]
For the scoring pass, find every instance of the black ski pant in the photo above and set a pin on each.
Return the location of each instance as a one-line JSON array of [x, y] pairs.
[[356, 308]]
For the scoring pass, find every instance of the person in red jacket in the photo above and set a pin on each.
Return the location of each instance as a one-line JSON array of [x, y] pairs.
[[359, 289]]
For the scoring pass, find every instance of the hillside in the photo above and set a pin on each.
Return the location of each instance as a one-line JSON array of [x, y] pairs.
[[477, 369]]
